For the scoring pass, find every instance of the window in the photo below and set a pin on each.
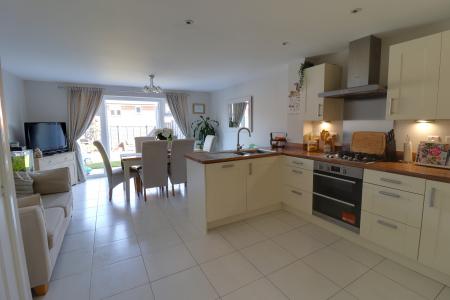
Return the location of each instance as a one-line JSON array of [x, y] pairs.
[[169, 122]]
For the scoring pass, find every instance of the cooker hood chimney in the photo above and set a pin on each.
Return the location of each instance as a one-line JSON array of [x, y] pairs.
[[363, 71]]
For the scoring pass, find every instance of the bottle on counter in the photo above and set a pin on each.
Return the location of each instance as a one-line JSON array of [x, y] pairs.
[[407, 150]]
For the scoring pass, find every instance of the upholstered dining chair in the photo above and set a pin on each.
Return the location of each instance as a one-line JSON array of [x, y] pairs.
[[140, 139], [209, 143], [115, 176], [177, 167], [154, 171]]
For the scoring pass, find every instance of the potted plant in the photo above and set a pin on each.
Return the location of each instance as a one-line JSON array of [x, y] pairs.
[[163, 134], [301, 73], [203, 127]]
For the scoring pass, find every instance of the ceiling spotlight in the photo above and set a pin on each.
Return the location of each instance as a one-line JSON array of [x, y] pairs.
[[188, 22], [284, 43], [356, 10]]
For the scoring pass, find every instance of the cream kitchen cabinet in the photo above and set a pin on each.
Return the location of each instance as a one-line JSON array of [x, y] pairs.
[[435, 236], [443, 104], [262, 183], [298, 183], [225, 189], [413, 79], [319, 79]]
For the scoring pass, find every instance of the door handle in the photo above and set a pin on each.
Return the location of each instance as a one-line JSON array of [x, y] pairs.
[[250, 169], [320, 114], [431, 201]]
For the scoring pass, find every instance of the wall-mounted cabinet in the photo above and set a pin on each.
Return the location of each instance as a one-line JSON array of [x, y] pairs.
[[443, 105], [419, 79], [319, 79]]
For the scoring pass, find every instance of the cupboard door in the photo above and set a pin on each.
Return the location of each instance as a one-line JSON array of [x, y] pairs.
[[435, 238], [443, 106], [314, 84], [225, 190], [413, 78], [262, 183]]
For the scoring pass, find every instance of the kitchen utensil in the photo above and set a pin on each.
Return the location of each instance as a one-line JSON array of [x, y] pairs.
[[370, 142]]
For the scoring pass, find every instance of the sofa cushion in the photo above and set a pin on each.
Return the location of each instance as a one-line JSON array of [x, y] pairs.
[[51, 181], [23, 183], [62, 200], [54, 224]]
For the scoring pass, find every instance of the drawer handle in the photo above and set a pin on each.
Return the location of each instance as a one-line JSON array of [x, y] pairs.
[[389, 194], [334, 199], [394, 181], [227, 166], [297, 163], [297, 171], [297, 193], [387, 224]]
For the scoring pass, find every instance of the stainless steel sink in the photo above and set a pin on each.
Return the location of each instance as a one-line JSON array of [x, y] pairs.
[[247, 152]]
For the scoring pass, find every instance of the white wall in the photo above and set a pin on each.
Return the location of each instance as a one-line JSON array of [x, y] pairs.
[[269, 108], [13, 89], [47, 101]]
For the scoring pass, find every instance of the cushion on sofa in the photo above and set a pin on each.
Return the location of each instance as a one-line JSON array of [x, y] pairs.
[[23, 183], [62, 200], [54, 220], [51, 181]]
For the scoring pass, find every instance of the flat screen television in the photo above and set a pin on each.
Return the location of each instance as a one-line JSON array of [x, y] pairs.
[[50, 137]]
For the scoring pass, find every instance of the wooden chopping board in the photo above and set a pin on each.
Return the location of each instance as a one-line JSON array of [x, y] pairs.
[[371, 142]]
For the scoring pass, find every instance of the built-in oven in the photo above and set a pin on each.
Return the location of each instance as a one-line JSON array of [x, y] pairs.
[[337, 194]]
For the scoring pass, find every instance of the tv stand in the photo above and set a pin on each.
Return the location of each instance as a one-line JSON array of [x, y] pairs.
[[56, 161]]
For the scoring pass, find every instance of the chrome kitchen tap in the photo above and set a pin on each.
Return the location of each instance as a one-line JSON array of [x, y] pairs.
[[239, 146]]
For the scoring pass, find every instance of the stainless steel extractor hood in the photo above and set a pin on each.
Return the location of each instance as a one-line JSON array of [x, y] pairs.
[[363, 71]]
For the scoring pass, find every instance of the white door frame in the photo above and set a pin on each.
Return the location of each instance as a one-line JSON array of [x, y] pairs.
[[14, 281]]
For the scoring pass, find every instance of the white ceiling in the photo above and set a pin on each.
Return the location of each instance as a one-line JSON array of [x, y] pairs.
[[118, 42]]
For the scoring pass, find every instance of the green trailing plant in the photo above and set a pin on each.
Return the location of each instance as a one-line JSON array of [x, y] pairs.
[[301, 72], [203, 127]]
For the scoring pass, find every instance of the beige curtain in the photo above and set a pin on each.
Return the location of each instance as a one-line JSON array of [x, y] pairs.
[[179, 108], [83, 104]]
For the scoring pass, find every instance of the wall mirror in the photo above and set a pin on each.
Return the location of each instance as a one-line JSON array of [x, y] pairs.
[[240, 113]]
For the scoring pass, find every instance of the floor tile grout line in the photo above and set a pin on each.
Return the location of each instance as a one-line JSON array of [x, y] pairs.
[[401, 284]]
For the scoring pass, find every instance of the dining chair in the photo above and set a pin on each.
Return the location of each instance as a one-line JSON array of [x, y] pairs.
[[140, 139], [209, 143], [115, 176], [154, 171], [177, 166]]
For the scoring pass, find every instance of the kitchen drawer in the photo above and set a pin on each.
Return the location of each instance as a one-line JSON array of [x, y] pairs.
[[298, 178], [298, 162], [390, 234], [398, 205], [298, 199], [395, 181]]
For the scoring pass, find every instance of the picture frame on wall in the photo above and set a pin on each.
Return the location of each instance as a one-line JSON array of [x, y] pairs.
[[198, 108]]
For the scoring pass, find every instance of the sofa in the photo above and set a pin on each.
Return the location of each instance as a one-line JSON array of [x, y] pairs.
[[45, 217]]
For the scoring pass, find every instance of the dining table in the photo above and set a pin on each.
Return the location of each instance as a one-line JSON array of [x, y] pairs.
[[129, 160]]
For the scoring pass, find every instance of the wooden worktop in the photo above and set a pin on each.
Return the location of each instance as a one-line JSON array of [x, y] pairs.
[[296, 150]]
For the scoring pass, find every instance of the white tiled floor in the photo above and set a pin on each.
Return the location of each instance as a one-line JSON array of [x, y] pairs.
[[136, 251]]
